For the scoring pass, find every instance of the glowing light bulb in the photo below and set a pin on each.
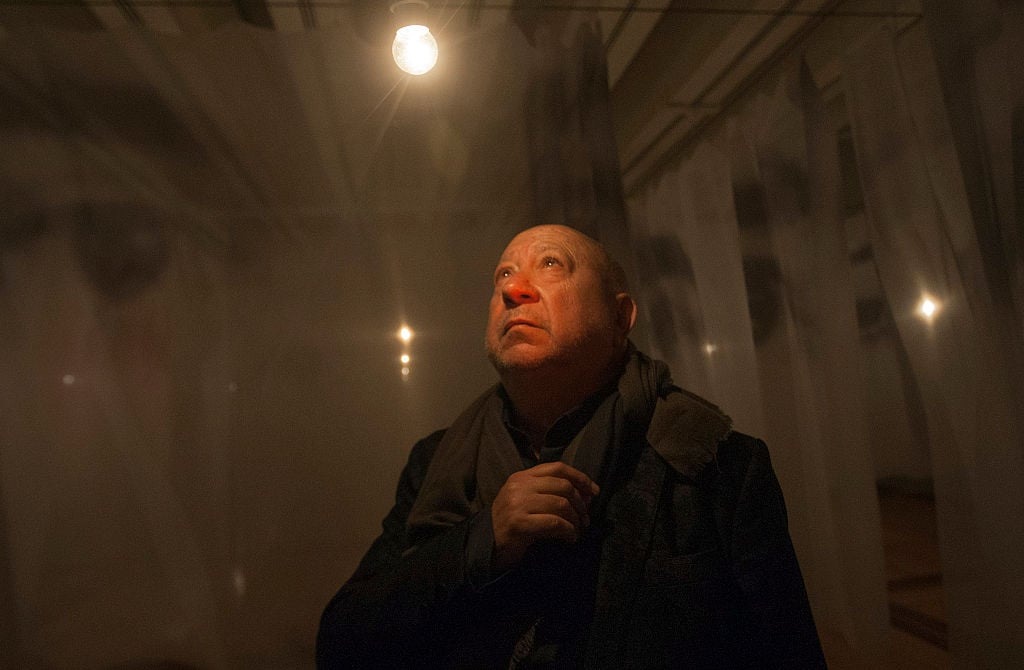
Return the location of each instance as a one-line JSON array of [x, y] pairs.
[[414, 49], [928, 308], [405, 333], [405, 358]]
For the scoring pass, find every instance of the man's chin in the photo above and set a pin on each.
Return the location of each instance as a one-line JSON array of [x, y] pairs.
[[519, 357]]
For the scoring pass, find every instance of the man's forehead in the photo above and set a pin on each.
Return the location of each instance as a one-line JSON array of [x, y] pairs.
[[535, 246], [548, 238]]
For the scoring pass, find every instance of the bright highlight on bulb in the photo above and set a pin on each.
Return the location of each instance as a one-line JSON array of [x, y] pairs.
[[928, 308], [414, 49], [405, 333], [405, 358]]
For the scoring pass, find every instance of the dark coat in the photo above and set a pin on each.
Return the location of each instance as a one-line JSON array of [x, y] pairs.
[[677, 571]]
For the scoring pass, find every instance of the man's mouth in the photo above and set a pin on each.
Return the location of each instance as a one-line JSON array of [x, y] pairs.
[[512, 323]]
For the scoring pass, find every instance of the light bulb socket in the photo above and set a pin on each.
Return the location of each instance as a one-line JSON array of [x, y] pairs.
[[410, 12]]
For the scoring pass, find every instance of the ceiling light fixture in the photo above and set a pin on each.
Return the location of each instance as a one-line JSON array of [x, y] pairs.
[[414, 48]]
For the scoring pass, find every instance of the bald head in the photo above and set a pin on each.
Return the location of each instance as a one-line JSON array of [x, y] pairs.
[[559, 306]]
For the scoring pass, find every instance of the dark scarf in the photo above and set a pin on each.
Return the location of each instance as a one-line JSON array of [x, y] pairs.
[[476, 454]]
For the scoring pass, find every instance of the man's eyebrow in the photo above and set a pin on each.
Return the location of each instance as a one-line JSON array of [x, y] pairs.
[[563, 250], [135, 114], [552, 246]]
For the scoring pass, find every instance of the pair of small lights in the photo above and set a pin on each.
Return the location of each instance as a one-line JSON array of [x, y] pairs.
[[405, 335], [414, 48]]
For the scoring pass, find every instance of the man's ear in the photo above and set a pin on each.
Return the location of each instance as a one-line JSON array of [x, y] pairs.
[[625, 313]]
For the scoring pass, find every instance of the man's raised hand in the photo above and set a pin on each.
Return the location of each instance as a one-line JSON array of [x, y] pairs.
[[548, 501]]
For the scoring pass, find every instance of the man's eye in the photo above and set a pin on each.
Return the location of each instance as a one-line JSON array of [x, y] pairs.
[[550, 261], [504, 273]]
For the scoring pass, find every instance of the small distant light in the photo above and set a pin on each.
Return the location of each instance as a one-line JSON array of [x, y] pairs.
[[68, 379], [710, 348], [405, 358], [405, 333], [405, 372], [928, 308], [238, 580]]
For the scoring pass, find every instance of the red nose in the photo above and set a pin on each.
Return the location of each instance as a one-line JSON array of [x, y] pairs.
[[518, 291]]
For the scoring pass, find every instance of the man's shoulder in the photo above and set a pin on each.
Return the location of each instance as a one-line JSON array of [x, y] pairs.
[[732, 452], [741, 445], [420, 456], [425, 447], [688, 431], [739, 454]]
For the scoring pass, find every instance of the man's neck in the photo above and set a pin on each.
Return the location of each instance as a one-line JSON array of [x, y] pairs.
[[541, 396]]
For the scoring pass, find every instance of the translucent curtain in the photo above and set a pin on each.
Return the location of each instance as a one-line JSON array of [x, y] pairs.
[[207, 244], [113, 324], [692, 297], [976, 47], [939, 154], [669, 309], [923, 245], [797, 156], [709, 231], [758, 226]]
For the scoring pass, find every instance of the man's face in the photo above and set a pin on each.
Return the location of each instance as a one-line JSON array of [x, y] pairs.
[[550, 305]]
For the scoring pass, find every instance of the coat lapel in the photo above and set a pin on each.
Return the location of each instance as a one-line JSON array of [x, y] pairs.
[[683, 434], [627, 527]]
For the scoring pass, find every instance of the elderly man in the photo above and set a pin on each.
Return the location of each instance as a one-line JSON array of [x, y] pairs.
[[585, 512]]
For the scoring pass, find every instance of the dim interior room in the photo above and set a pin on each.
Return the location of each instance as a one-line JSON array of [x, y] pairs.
[[245, 261]]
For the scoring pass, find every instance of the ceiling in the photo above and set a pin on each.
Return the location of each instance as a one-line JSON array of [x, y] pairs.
[[673, 65]]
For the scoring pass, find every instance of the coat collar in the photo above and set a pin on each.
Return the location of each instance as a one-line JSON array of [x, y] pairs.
[[686, 431]]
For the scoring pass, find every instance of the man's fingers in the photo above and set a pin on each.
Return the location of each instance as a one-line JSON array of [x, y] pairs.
[[555, 505], [545, 525], [583, 483], [559, 479], [548, 501], [556, 486]]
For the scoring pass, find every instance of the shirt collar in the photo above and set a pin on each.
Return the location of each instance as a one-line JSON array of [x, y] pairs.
[[561, 432]]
